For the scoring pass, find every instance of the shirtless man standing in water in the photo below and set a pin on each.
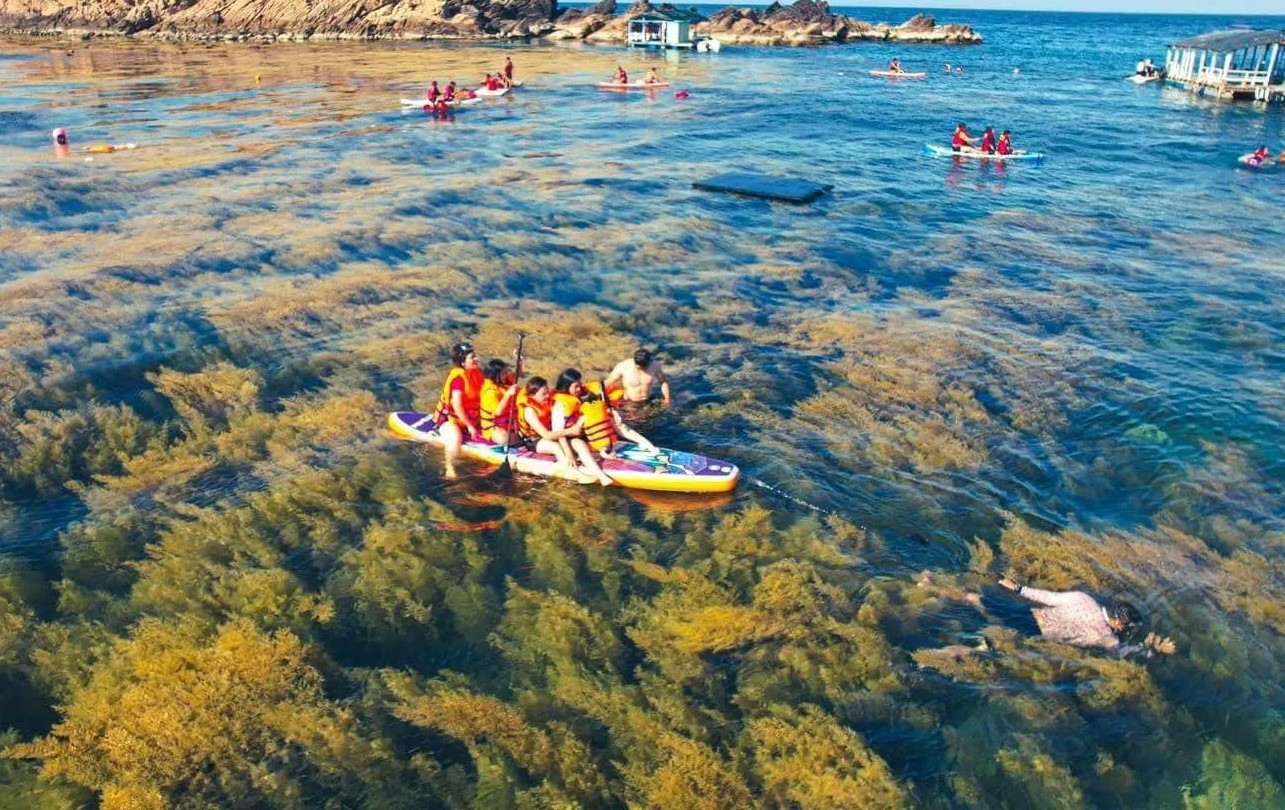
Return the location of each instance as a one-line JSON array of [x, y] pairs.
[[638, 376]]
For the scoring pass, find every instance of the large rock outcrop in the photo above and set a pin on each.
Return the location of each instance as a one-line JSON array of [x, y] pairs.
[[810, 22], [807, 22], [286, 19]]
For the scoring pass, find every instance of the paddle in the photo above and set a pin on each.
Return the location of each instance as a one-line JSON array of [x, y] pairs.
[[505, 467]]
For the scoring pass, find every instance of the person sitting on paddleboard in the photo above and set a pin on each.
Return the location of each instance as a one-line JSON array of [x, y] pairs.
[[535, 425], [508, 70], [651, 77], [569, 421], [491, 83], [433, 92], [894, 66], [496, 402], [961, 139], [1005, 145], [621, 76], [603, 426], [988, 141], [457, 414], [449, 92], [1258, 157]]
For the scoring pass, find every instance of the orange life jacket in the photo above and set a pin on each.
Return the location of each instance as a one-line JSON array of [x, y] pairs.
[[471, 396], [616, 394], [543, 412], [599, 426], [488, 405], [570, 407]]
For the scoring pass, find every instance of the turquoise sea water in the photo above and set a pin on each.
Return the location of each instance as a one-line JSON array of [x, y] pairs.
[[1093, 343]]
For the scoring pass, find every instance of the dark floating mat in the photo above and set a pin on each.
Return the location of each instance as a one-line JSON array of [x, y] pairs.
[[785, 189]]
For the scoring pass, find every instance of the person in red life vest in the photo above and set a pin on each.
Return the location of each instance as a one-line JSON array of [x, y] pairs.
[[569, 422], [1005, 145], [988, 141], [961, 140], [603, 426], [894, 66], [449, 92], [491, 83], [621, 76], [1260, 156], [535, 423], [434, 92], [508, 70], [458, 408], [497, 402]]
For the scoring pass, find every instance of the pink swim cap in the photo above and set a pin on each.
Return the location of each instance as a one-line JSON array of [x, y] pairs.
[[60, 135]]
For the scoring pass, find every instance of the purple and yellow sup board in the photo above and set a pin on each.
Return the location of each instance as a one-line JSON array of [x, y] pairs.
[[662, 471]]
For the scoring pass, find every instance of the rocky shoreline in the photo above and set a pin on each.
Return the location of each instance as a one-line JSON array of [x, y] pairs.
[[807, 22]]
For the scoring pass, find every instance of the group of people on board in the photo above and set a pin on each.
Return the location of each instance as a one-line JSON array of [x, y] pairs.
[[1262, 156], [570, 420], [988, 144], [1146, 69], [442, 98], [622, 76]]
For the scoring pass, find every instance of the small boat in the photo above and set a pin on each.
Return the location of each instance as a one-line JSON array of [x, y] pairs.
[[1138, 78], [632, 85], [895, 74], [945, 151], [632, 468], [704, 44]]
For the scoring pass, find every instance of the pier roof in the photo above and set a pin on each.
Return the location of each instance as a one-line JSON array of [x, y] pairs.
[[1234, 40], [668, 13]]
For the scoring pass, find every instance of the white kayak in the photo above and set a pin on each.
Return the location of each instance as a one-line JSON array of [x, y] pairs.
[[632, 468], [423, 102], [945, 151], [895, 74], [482, 92]]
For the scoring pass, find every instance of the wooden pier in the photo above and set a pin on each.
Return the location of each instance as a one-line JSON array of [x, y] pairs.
[[1230, 65]]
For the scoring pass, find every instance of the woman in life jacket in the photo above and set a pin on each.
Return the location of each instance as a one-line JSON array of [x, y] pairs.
[[458, 408], [496, 402], [568, 420], [603, 426], [535, 422]]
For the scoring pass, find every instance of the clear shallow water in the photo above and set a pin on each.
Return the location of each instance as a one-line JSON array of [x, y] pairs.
[[1090, 343]]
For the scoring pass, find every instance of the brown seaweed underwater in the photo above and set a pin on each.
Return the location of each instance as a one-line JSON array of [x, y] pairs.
[[223, 586]]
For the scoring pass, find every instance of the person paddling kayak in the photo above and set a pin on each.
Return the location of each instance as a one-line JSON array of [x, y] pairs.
[[895, 66]]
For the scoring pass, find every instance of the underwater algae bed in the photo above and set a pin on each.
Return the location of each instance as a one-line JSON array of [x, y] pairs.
[[223, 585]]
